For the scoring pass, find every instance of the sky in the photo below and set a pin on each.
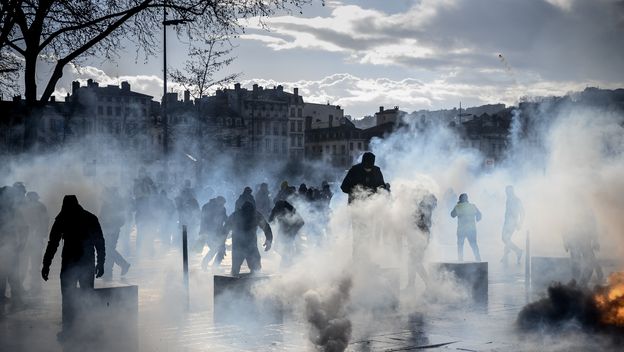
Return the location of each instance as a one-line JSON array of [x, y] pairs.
[[427, 54]]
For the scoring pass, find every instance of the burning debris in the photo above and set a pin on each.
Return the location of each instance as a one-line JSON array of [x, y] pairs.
[[573, 307], [330, 328]]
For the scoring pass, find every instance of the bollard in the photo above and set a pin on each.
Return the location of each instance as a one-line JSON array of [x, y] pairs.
[[185, 264]]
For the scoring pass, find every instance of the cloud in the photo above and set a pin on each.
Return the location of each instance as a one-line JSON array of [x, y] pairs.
[[556, 39]]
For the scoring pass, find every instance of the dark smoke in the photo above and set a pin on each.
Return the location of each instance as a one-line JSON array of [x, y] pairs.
[[567, 308], [330, 327]]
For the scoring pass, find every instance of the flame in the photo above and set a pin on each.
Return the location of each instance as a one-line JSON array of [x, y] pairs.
[[610, 300]]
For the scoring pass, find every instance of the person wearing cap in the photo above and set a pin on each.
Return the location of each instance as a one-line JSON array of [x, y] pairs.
[[363, 179], [244, 223], [246, 196], [467, 215], [82, 238]]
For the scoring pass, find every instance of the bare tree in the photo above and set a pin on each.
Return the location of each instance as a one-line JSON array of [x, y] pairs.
[[64, 31], [199, 74]]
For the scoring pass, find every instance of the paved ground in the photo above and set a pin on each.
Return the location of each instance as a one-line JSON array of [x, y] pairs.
[[165, 326]]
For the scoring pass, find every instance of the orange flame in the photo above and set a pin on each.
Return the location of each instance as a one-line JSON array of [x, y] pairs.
[[610, 300]]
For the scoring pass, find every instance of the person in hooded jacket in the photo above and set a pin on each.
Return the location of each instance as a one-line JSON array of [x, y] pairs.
[[213, 218], [289, 223], [246, 196], [82, 239], [467, 215], [244, 223], [364, 176]]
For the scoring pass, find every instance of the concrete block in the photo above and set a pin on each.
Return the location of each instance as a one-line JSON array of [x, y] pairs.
[[471, 275], [235, 302], [107, 319]]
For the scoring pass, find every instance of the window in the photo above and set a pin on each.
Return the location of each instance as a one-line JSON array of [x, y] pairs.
[[292, 141], [292, 112], [350, 145], [343, 149], [109, 99], [327, 149], [292, 126], [284, 151], [299, 141], [299, 112], [267, 145], [275, 128], [267, 128], [276, 147], [334, 149], [359, 145], [100, 110], [299, 126], [117, 111], [109, 110]]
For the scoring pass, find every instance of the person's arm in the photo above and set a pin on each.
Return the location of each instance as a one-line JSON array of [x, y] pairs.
[[454, 212], [266, 228], [347, 183], [477, 213], [98, 243], [53, 243]]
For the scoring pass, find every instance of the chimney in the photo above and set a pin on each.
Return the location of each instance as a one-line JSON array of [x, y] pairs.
[[254, 93], [280, 88], [237, 87], [52, 98], [381, 109], [296, 92], [396, 108], [125, 86], [75, 87], [187, 96]]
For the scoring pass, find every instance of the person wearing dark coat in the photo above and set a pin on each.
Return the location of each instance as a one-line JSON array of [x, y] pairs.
[[213, 218], [263, 200], [289, 223], [364, 176], [13, 232], [244, 223], [112, 218], [82, 239], [38, 219], [246, 196]]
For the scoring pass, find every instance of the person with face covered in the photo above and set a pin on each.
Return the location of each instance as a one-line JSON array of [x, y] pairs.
[[243, 224], [38, 219], [246, 196], [263, 200], [467, 215], [82, 238], [363, 179]]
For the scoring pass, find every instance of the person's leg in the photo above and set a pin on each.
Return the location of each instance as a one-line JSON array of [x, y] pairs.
[[460, 246], [15, 278], [238, 256], [254, 260], [69, 280], [472, 240]]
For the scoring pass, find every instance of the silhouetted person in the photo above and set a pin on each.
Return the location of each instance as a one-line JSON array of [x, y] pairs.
[[211, 232], [514, 215], [283, 192], [13, 232], [263, 200], [467, 215], [363, 178], [303, 190], [581, 241], [188, 214], [82, 238], [112, 218], [36, 214], [245, 197], [289, 223], [165, 217], [418, 241], [244, 223]]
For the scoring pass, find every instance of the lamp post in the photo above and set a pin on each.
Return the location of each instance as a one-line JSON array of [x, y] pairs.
[[163, 104]]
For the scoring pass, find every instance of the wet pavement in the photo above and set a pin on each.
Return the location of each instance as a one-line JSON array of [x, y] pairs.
[[164, 325]]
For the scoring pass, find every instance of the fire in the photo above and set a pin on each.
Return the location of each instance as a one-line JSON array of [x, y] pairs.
[[610, 300]]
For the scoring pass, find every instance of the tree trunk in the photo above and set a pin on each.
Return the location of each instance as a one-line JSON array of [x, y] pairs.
[[33, 115]]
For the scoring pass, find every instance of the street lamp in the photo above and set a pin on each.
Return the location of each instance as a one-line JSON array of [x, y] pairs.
[[163, 104]]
